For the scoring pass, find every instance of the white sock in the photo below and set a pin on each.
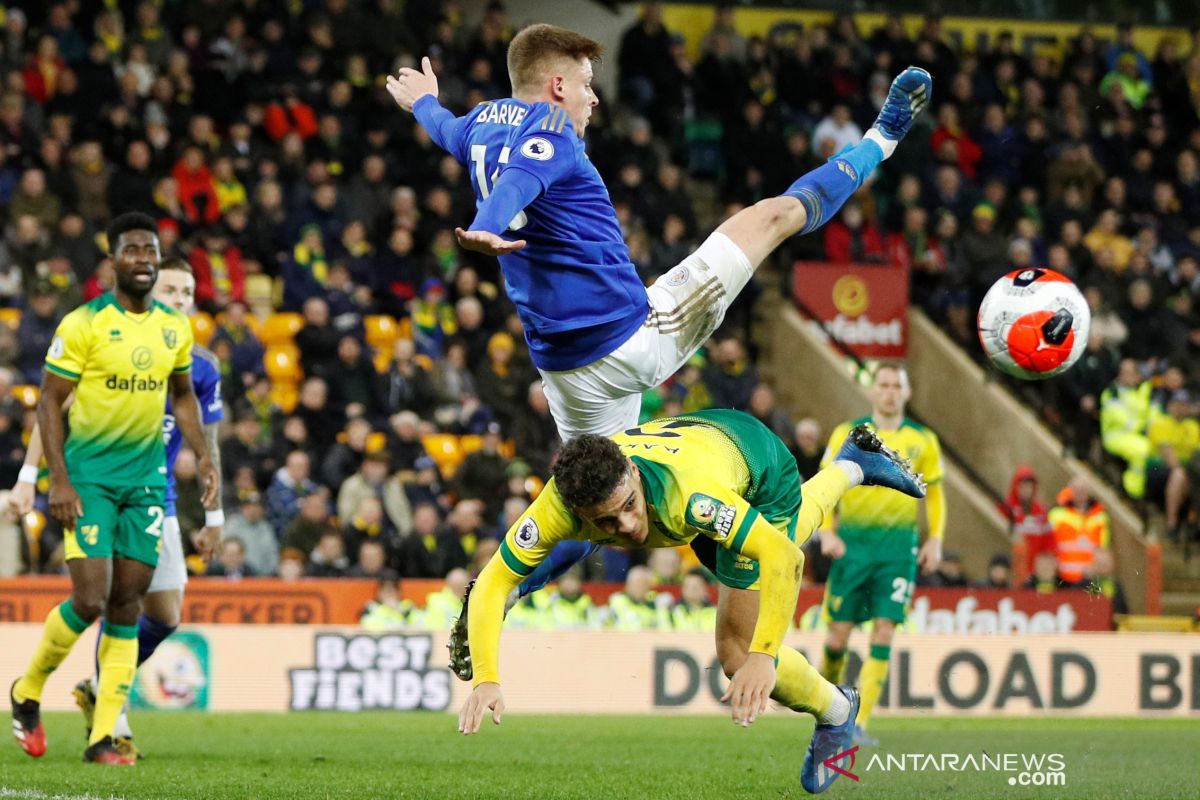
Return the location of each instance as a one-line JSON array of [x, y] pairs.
[[122, 727], [839, 712], [885, 144], [853, 471]]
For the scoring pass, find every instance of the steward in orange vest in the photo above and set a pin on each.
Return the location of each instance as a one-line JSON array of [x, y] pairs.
[[1080, 526]]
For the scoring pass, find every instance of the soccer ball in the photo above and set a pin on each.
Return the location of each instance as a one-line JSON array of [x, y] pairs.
[[1033, 323]]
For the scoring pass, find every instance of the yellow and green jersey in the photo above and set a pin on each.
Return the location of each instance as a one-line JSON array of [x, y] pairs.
[[121, 363], [875, 522], [713, 473]]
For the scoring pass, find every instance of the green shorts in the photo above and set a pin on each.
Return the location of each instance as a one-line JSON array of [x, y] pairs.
[[118, 521], [860, 589]]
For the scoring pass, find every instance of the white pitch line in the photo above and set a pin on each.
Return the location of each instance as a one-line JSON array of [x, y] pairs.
[[36, 794]]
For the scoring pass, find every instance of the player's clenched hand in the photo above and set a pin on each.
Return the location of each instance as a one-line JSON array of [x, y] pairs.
[[487, 243], [930, 556], [212, 481], [20, 499], [751, 688], [486, 696], [409, 85], [832, 545], [65, 505], [206, 540]]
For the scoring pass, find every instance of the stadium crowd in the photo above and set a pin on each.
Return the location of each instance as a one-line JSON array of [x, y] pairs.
[[384, 418]]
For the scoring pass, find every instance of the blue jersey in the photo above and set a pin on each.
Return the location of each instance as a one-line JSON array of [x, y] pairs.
[[206, 380], [575, 287]]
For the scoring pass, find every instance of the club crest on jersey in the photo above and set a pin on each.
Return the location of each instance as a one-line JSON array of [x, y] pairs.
[[528, 534], [710, 514], [142, 358], [678, 276], [538, 149], [170, 337]]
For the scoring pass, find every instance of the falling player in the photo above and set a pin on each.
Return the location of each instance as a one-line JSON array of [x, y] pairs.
[[598, 337], [716, 474]]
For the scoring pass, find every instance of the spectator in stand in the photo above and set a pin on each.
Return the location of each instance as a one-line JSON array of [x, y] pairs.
[[356, 384], [328, 558], [443, 606], [317, 340], [1046, 578], [1125, 415], [347, 456], [1080, 528], [249, 526], [1174, 438], [766, 410], [432, 546], [1027, 515], [372, 480], [290, 485], [570, 608], [407, 383], [312, 523], [499, 383], [231, 561], [949, 573], [695, 610], [220, 273], [246, 351], [535, 435], [482, 473], [371, 561], [1102, 580], [852, 238], [36, 330], [999, 574], [835, 132], [636, 608], [388, 611], [730, 377]]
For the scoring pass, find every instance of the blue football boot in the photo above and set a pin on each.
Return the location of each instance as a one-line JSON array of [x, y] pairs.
[[829, 742], [908, 97], [881, 465]]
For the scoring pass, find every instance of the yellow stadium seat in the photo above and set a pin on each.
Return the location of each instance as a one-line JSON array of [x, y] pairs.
[[382, 331], [283, 365], [281, 328], [376, 442], [424, 360], [28, 395], [203, 328], [10, 317], [469, 443], [445, 451], [382, 361], [404, 328], [285, 395]]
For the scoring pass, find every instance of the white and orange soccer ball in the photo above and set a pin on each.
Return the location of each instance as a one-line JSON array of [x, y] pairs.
[[1033, 323]]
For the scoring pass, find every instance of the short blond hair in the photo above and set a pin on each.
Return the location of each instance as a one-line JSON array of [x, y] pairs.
[[535, 49]]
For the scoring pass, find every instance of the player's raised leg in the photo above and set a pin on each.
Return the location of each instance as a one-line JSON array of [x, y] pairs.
[[816, 197]]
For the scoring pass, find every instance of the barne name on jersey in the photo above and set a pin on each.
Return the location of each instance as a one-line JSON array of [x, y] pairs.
[[502, 114]]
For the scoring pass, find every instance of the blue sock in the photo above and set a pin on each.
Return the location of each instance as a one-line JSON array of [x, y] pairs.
[[151, 634], [827, 188]]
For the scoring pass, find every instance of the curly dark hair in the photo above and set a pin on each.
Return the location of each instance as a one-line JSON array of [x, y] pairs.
[[588, 470], [129, 221]]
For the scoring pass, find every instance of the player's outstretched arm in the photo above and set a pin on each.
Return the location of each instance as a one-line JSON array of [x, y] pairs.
[[65, 505], [780, 565], [187, 416], [417, 92], [484, 622], [410, 85], [208, 537], [487, 243]]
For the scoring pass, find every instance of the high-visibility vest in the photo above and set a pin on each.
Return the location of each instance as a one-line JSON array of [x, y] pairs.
[[1077, 535]]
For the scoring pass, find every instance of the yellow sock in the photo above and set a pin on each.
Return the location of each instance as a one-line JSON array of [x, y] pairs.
[[820, 494], [833, 668], [873, 677], [62, 630], [799, 686], [118, 663]]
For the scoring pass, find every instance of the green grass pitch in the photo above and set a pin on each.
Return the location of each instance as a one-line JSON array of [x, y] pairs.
[[383, 755]]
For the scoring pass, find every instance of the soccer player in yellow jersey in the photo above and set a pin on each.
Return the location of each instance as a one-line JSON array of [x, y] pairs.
[[874, 546], [718, 474], [121, 355]]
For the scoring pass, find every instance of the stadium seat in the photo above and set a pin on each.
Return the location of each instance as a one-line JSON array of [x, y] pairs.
[[10, 317], [382, 360], [28, 395], [376, 442], [283, 365], [382, 331], [285, 395], [469, 443], [281, 328], [424, 360], [445, 450], [203, 328], [404, 329]]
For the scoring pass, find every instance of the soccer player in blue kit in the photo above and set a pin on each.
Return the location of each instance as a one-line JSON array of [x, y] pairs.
[[176, 288], [598, 337]]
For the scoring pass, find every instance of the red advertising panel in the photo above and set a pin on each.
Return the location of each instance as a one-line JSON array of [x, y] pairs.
[[863, 307]]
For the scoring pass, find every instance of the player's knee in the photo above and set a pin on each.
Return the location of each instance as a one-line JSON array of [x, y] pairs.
[[780, 214], [883, 632], [89, 605]]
